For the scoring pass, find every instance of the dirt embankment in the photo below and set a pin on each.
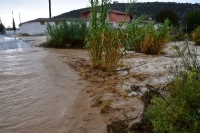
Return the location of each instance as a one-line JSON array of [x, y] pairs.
[[101, 102], [118, 97]]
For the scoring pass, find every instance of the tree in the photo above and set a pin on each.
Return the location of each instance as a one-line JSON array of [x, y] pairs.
[[14, 28], [2, 28], [49, 8], [192, 20], [167, 14]]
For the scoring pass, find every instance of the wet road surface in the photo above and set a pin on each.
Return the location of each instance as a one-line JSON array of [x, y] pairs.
[[7, 43]]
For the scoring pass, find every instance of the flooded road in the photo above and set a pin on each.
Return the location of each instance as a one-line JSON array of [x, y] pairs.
[[37, 90], [7, 43]]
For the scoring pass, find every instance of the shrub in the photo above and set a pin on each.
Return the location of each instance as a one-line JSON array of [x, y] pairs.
[[181, 112], [104, 43], [135, 34], [67, 35], [146, 38], [196, 36], [167, 14], [177, 34], [192, 20], [2, 28]]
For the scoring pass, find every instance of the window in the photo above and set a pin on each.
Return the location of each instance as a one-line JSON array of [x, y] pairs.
[[42, 22]]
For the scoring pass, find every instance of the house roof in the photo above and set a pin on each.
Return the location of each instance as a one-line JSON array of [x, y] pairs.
[[42, 19], [114, 11], [117, 12]]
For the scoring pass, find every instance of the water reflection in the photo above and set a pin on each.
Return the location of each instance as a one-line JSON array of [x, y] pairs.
[[7, 43]]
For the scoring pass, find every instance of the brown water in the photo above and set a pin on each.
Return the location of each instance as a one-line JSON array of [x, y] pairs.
[[37, 92]]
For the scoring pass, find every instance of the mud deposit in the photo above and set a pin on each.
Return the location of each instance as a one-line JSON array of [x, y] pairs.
[[101, 102]]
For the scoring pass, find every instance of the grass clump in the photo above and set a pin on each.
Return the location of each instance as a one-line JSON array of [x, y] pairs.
[[67, 34], [105, 51], [180, 111], [147, 39], [106, 106], [177, 34], [196, 36], [104, 43]]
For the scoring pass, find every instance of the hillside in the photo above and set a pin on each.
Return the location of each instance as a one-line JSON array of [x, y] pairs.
[[181, 9]]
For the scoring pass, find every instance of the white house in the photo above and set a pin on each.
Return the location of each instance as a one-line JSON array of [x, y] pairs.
[[37, 26]]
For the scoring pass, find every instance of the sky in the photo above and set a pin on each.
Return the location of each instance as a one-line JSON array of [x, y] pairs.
[[26, 10]]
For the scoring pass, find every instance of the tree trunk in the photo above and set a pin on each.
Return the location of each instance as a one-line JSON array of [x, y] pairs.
[[49, 8]]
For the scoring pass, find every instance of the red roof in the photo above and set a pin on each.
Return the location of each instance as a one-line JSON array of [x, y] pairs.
[[118, 12], [114, 11]]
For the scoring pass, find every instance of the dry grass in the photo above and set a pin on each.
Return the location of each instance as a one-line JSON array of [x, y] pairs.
[[147, 39], [106, 106]]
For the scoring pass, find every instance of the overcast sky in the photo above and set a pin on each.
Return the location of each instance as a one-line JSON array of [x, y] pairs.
[[32, 9]]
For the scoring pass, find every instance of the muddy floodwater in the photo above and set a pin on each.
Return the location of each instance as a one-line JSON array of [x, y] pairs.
[[37, 91]]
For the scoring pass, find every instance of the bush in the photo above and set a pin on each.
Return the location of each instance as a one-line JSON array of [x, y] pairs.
[[146, 38], [196, 36], [2, 29], [192, 20], [67, 35], [104, 43], [177, 34], [167, 14], [179, 112]]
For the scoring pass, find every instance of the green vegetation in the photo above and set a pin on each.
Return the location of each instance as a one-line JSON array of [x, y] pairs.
[[167, 14], [146, 39], [177, 34], [104, 43], [2, 29], [181, 112], [14, 28], [67, 35], [192, 20], [196, 36]]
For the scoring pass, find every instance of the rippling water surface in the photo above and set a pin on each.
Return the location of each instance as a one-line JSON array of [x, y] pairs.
[[37, 91]]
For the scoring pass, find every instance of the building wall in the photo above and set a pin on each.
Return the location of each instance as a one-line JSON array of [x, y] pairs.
[[86, 15], [34, 28], [116, 25], [114, 17]]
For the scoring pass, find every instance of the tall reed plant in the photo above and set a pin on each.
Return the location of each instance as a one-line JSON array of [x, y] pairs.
[[146, 39], [65, 34], [104, 43]]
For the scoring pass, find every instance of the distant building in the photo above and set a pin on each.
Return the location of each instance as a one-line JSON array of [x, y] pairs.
[[37, 26], [113, 17]]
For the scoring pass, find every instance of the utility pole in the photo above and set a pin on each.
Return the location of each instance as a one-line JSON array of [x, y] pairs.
[[19, 19], [49, 8]]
